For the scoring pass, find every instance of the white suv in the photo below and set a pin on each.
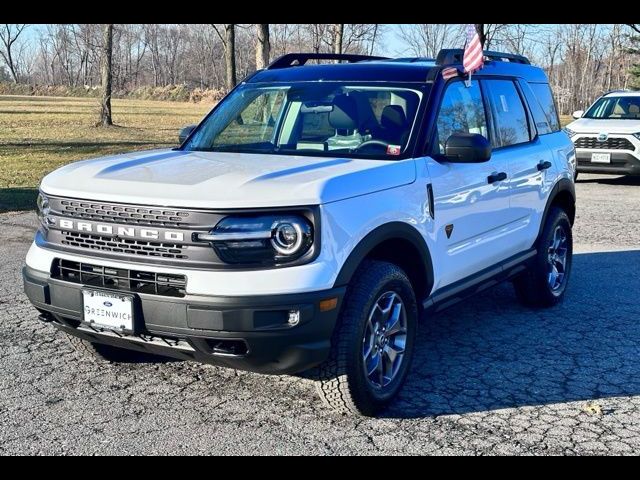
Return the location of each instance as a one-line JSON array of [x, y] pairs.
[[308, 222], [607, 135]]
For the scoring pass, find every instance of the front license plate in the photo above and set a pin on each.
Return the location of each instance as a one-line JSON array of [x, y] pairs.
[[601, 157], [108, 310]]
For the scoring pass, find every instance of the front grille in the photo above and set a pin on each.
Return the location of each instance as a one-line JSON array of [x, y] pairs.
[[608, 144], [138, 281], [133, 215], [125, 246]]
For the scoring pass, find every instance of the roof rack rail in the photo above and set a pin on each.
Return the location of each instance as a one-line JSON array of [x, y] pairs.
[[412, 59], [448, 56], [617, 90], [299, 59]]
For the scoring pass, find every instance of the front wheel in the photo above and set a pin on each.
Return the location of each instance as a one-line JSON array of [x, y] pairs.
[[545, 282], [373, 342]]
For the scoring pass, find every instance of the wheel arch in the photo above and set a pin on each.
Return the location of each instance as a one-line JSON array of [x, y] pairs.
[[398, 243], [562, 195]]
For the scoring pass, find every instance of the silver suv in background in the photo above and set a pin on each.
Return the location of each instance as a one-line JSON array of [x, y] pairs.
[[607, 134]]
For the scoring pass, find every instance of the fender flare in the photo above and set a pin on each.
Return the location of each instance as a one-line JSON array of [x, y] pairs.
[[563, 185], [388, 231]]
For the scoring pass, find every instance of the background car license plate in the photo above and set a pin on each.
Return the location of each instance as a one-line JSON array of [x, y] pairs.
[[601, 157], [108, 310]]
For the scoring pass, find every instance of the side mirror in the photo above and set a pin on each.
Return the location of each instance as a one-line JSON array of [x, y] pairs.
[[578, 114], [185, 132], [467, 148]]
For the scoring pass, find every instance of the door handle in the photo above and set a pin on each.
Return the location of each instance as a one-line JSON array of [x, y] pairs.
[[496, 177], [544, 165]]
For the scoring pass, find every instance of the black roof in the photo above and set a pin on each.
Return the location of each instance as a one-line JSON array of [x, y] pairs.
[[382, 71], [410, 70]]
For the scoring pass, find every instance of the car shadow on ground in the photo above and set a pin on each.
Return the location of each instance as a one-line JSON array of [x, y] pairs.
[[490, 353], [624, 180], [18, 199]]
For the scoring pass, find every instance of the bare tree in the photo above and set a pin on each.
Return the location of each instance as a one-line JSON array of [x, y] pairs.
[[263, 45], [9, 34], [229, 42], [107, 50], [426, 40], [338, 34]]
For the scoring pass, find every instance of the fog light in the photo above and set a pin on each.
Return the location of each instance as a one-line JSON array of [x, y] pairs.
[[294, 317]]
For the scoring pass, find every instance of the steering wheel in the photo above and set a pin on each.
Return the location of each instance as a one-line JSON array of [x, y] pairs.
[[372, 142]]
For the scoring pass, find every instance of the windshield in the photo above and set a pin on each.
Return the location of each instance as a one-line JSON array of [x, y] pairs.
[[615, 108], [314, 118]]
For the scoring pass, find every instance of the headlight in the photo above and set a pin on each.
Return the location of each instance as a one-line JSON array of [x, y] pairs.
[[43, 210], [569, 132], [265, 239]]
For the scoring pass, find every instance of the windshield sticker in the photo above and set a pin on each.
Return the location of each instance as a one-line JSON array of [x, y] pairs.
[[393, 149]]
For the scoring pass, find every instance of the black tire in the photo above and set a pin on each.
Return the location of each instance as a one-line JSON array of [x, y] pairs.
[[533, 288], [108, 353], [341, 380]]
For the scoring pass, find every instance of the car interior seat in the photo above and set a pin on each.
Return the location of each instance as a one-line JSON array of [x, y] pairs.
[[344, 119], [395, 127]]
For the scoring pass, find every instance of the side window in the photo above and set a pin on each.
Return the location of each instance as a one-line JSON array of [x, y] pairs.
[[461, 111], [539, 116], [512, 126], [545, 97]]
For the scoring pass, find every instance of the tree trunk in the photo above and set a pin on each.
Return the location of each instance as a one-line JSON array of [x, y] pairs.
[[230, 54], [107, 47], [338, 34], [263, 45], [12, 68], [481, 33]]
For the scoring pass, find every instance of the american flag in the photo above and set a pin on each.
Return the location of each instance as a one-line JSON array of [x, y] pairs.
[[449, 72], [473, 57]]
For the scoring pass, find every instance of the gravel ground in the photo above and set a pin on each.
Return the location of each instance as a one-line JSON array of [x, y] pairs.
[[490, 377]]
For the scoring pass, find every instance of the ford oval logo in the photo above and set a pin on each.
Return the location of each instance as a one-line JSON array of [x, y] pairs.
[[108, 304], [603, 137]]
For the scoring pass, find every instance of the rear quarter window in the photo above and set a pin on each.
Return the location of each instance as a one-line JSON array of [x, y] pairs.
[[544, 97]]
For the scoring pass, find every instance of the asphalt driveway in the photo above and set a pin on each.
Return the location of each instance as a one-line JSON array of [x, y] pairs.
[[490, 377]]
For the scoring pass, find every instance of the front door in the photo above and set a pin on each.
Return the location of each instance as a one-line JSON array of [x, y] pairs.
[[469, 207]]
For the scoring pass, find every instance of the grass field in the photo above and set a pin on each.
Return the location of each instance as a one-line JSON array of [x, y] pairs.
[[39, 134]]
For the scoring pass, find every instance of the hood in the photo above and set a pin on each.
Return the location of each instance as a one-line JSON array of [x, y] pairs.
[[224, 180], [610, 126]]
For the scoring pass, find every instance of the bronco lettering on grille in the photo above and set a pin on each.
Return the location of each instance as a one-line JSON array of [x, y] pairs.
[[128, 232]]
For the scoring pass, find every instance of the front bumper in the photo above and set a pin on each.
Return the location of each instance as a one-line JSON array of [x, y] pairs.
[[247, 333], [622, 163]]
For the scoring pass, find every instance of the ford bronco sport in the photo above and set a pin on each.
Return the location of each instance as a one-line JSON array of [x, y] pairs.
[[311, 218]]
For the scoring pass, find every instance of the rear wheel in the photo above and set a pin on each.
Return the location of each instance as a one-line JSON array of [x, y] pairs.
[[545, 282], [373, 342], [108, 353]]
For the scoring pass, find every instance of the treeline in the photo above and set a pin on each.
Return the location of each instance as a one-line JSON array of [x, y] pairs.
[[582, 60], [206, 56]]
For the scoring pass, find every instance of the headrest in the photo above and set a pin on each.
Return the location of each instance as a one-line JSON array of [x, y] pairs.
[[344, 115], [393, 116], [633, 108]]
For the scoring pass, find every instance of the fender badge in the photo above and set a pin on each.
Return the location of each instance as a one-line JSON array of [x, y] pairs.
[[448, 229]]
